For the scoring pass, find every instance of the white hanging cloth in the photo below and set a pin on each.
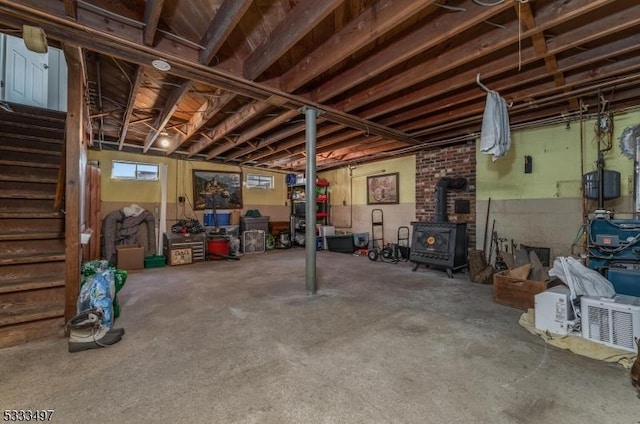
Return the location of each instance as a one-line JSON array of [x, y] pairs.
[[495, 138]]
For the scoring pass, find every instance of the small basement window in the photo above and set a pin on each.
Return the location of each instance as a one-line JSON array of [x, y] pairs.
[[260, 181], [137, 171]]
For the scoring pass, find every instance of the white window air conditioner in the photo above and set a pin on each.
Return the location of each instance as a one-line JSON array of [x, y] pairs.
[[613, 321]]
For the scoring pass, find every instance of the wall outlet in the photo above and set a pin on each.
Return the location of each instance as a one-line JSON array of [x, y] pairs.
[[181, 199]]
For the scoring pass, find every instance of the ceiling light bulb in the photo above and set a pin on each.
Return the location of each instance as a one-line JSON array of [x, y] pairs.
[[164, 142]]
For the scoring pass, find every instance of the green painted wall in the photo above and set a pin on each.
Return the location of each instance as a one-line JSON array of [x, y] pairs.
[[340, 184], [180, 180], [556, 162]]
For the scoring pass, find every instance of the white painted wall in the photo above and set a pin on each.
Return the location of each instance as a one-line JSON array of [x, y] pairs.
[[3, 41]]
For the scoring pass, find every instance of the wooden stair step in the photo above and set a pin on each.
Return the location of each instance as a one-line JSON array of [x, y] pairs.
[[10, 226], [32, 284], [25, 194], [28, 313], [13, 335], [31, 150], [30, 164], [38, 121], [10, 274], [54, 141], [31, 236], [34, 126], [31, 178], [26, 205], [31, 111], [31, 215], [31, 259]]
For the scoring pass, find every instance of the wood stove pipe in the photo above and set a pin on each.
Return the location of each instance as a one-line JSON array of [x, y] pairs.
[[442, 186]]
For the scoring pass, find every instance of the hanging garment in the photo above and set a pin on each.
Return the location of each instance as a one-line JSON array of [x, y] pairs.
[[495, 138]]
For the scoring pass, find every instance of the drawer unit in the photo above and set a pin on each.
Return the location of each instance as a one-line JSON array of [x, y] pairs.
[[197, 243]]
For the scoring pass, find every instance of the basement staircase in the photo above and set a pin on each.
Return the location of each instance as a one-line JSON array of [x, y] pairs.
[[32, 242]]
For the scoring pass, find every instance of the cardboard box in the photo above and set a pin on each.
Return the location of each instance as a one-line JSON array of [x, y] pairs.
[[180, 256], [130, 257], [517, 292]]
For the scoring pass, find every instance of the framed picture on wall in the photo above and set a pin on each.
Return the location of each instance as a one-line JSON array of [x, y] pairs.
[[223, 188], [383, 189]]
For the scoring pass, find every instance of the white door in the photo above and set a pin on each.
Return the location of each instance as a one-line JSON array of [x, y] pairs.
[[26, 74]]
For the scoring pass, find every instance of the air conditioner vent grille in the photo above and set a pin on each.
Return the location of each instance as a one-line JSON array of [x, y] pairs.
[[613, 322]]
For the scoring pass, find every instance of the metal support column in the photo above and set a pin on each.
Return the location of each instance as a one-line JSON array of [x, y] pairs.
[[310, 200]]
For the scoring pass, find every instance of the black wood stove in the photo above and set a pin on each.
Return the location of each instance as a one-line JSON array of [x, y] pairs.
[[440, 244]]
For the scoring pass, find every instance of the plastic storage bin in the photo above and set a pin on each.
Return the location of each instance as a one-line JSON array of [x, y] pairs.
[[155, 261], [341, 244]]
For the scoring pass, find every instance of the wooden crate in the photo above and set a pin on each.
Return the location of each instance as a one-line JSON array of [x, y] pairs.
[[518, 293]]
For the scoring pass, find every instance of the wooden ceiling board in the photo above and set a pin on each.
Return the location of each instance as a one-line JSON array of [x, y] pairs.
[[410, 77], [189, 18], [131, 9]]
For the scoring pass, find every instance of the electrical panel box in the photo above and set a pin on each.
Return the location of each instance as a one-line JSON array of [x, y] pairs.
[[554, 312]]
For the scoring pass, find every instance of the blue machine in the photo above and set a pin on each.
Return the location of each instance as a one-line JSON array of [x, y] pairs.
[[614, 251]]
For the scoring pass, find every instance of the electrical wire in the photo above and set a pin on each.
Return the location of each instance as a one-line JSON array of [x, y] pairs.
[[481, 3]]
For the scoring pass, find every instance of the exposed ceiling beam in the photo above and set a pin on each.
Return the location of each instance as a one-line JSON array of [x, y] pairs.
[[322, 146], [71, 8], [588, 58], [554, 14], [601, 78], [560, 44], [455, 58], [302, 19], [238, 118], [324, 131], [200, 117], [460, 116], [16, 13], [152, 11], [248, 112], [260, 128], [525, 14], [169, 108], [378, 19], [426, 37], [225, 20], [130, 105]]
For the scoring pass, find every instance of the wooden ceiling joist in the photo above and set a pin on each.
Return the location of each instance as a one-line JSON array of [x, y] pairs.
[[130, 105], [71, 8], [417, 42], [169, 108], [225, 20], [376, 20], [205, 112], [221, 130], [303, 17], [152, 11]]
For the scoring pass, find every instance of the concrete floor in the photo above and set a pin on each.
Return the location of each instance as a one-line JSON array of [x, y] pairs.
[[241, 342]]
